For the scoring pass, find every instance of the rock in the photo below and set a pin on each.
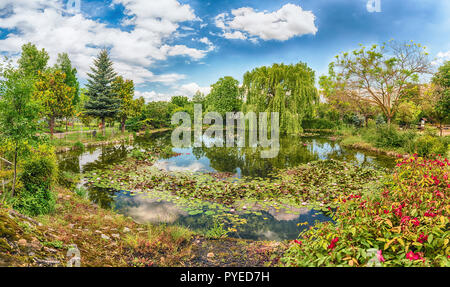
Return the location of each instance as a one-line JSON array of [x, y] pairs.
[[210, 255], [51, 250], [22, 242], [232, 210], [126, 229], [35, 244], [106, 237]]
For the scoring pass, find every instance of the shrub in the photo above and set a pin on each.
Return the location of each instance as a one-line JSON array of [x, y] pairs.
[[37, 177], [319, 124], [78, 146], [81, 192], [35, 200], [380, 120], [428, 145], [137, 154], [68, 179], [388, 136], [406, 223]]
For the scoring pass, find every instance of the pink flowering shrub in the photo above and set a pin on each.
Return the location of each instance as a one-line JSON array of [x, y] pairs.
[[407, 222]]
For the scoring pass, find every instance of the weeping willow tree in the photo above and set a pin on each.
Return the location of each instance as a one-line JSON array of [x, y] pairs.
[[287, 89]]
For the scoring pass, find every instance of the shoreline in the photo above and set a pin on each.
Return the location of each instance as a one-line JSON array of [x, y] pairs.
[[124, 139]]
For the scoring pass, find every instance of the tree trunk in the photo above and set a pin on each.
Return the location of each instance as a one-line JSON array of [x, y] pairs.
[[51, 123], [15, 171], [103, 126], [122, 126]]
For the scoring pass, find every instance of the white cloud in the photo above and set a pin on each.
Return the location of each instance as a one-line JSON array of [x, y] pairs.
[[187, 90], [441, 58], [234, 35], [190, 89], [153, 96], [153, 24], [288, 22], [207, 42]]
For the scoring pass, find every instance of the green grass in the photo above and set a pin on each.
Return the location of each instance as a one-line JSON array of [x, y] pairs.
[[70, 139]]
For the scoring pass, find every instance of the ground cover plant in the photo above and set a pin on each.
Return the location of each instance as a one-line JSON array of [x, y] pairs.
[[406, 223]]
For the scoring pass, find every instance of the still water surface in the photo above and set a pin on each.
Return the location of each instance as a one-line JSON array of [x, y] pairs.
[[272, 223]]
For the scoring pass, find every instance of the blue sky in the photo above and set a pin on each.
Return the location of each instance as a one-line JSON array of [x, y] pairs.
[[171, 47]]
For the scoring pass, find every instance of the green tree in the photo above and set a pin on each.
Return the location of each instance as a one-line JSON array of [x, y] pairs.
[[199, 98], [124, 90], [55, 96], [180, 101], [19, 113], [407, 113], [441, 110], [287, 89], [64, 64], [102, 103], [381, 74], [224, 96], [32, 60]]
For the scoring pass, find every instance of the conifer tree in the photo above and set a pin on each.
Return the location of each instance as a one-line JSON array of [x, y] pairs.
[[102, 102]]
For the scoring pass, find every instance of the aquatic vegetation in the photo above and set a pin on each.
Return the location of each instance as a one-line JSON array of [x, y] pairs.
[[230, 200], [407, 221], [217, 231], [317, 184]]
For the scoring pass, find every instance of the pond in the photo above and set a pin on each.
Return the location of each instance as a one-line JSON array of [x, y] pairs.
[[268, 222]]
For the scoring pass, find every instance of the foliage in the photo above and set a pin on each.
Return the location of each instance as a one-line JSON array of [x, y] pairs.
[[199, 98], [429, 145], [317, 183], [19, 113], [441, 79], [407, 113], [180, 101], [78, 146], [381, 74], [64, 64], [54, 95], [224, 96], [138, 154], [286, 89], [124, 91], [388, 136], [216, 231], [406, 222], [344, 102], [38, 175], [81, 192], [68, 179], [102, 103], [318, 123], [154, 115], [32, 60]]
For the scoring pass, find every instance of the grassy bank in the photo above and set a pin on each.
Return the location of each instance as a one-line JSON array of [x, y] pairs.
[[107, 239], [79, 140], [102, 237], [391, 141]]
